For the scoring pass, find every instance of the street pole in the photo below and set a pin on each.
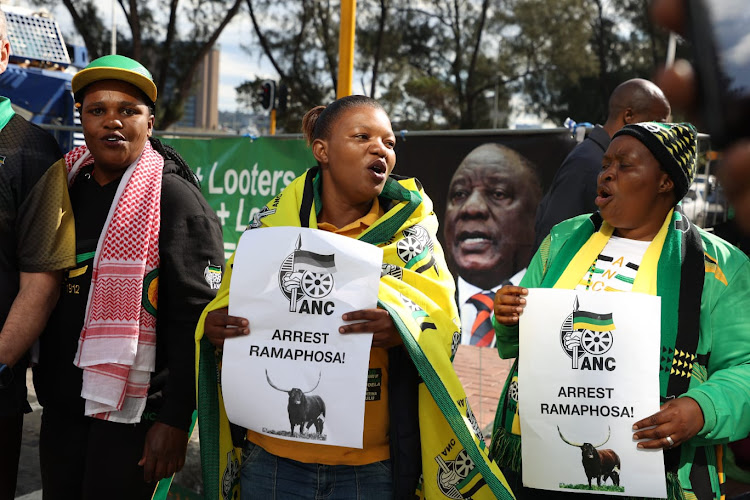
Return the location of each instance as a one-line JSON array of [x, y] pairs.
[[346, 47], [272, 126]]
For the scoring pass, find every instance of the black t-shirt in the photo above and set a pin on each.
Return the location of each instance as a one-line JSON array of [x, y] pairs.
[[36, 223], [190, 242], [91, 204]]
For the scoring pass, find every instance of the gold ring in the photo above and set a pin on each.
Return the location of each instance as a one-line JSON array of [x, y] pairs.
[[670, 441]]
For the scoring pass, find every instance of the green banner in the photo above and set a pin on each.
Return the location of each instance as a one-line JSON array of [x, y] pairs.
[[239, 175]]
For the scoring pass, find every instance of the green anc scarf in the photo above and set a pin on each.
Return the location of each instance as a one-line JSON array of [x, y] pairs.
[[417, 290], [672, 268]]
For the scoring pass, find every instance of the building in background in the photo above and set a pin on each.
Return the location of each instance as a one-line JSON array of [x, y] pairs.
[[202, 106]]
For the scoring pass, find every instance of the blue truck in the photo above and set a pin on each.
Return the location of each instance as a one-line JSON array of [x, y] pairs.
[[37, 79]]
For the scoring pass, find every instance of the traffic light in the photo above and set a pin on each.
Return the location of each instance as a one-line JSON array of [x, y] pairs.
[[267, 95], [283, 97]]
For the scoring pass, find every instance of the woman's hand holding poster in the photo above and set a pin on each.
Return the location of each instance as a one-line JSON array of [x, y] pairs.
[[295, 376], [588, 370]]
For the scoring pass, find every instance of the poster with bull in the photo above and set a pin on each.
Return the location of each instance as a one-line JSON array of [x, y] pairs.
[[588, 370], [295, 376]]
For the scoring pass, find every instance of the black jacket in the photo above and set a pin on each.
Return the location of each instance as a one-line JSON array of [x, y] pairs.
[[403, 402], [573, 188], [190, 245]]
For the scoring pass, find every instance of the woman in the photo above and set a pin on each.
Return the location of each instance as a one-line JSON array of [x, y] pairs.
[[115, 374], [704, 285], [351, 192]]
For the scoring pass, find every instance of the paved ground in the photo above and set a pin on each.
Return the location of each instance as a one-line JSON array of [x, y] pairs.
[[480, 370], [187, 484], [482, 374]]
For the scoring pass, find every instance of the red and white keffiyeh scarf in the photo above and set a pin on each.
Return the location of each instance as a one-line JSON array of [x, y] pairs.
[[117, 346]]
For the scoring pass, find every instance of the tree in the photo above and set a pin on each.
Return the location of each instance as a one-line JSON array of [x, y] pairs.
[[432, 63], [155, 42], [300, 40], [626, 45]]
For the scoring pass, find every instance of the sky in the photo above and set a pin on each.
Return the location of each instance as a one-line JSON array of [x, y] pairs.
[[235, 66]]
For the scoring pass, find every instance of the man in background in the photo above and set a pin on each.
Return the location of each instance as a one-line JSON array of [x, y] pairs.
[[489, 231], [573, 188], [36, 244]]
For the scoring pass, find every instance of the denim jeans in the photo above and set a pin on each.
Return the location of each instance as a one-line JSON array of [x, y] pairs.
[[267, 477]]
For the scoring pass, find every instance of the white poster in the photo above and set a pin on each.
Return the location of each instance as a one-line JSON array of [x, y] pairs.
[[588, 370], [295, 376]]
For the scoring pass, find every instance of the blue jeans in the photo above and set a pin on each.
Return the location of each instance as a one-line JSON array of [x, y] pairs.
[[267, 477]]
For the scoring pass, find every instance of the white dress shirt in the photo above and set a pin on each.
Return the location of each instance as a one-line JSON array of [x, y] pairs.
[[468, 311]]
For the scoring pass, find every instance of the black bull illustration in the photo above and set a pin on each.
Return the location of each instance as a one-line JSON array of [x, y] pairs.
[[304, 410], [601, 464]]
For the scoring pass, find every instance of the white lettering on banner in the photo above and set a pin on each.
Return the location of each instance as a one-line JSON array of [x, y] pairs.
[[211, 188], [229, 249], [254, 176], [223, 213], [230, 181], [252, 181], [244, 182], [239, 183], [289, 176], [264, 183]]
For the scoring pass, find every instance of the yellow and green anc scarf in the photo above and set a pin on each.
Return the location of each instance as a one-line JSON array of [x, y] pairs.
[[417, 290], [672, 268]]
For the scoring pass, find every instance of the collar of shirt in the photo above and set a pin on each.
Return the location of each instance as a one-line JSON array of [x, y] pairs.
[[6, 111], [357, 227], [466, 289]]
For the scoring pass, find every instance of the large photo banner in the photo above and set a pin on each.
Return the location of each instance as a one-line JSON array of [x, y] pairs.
[[295, 376], [589, 369]]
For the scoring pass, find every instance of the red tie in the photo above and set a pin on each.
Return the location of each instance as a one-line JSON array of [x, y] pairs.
[[482, 331]]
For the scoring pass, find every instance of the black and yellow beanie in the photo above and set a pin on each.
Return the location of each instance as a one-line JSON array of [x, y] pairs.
[[674, 145]]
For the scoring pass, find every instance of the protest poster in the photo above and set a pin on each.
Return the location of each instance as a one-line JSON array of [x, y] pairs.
[[588, 370], [295, 376]]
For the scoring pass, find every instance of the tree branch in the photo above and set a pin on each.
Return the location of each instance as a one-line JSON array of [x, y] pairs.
[[161, 79], [92, 44]]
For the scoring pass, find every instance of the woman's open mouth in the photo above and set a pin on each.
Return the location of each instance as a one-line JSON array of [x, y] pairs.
[[378, 170], [603, 196], [113, 139]]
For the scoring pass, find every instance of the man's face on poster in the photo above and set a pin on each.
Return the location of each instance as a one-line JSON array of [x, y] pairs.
[[489, 219]]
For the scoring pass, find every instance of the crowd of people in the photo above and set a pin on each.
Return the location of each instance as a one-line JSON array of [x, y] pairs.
[[112, 261]]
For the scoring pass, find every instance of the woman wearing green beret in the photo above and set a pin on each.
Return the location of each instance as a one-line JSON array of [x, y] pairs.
[[115, 374]]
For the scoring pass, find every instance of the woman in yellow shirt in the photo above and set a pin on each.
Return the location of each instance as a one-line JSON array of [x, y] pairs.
[[351, 192]]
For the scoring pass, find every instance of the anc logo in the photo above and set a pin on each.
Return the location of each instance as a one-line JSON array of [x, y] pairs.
[[586, 336], [229, 477], [307, 275], [264, 212], [452, 472], [212, 275], [151, 291]]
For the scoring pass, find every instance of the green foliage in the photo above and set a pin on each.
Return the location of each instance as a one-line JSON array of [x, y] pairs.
[[300, 40], [624, 44], [432, 63], [593, 487]]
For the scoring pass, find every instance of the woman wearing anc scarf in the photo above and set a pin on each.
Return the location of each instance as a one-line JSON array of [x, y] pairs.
[[422, 406], [115, 374], [704, 285]]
